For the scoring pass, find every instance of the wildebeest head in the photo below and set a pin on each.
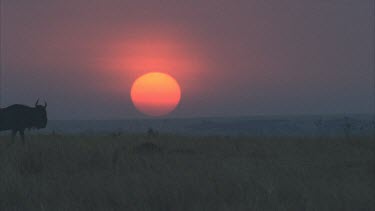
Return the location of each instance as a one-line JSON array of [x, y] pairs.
[[40, 118]]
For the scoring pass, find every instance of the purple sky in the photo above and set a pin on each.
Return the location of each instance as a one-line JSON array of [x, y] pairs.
[[231, 58]]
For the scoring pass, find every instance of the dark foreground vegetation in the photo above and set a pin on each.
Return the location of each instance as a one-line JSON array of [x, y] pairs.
[[134, 172]]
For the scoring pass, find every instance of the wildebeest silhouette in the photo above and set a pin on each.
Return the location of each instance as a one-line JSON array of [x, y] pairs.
[[17, 118]]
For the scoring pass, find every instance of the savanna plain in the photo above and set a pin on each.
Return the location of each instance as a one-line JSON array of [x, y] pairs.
[[170, 172]]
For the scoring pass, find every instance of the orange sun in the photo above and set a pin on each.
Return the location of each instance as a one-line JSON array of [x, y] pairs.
[[155, 94]]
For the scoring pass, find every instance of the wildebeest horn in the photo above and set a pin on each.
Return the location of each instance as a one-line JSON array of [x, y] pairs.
[[45, 104], [37, 102]]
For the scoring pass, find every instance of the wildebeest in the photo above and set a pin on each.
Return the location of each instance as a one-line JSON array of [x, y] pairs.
[[17, 118]]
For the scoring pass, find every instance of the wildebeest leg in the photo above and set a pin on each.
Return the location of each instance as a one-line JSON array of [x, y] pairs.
[[22, 134], [14, 132]]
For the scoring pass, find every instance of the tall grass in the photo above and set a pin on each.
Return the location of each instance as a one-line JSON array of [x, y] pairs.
[[167, 172]]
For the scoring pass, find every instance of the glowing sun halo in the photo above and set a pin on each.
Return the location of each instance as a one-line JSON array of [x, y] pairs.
[[155, 94]]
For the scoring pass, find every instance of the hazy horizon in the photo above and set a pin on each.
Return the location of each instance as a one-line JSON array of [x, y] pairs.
[[256, 116]]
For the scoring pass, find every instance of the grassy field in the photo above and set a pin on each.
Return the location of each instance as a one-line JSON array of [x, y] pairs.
[[135, 172]]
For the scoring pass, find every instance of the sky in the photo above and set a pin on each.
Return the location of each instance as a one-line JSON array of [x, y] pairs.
[[231, 58]]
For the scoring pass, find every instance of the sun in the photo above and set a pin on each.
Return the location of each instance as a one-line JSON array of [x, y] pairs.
[[155, 94]]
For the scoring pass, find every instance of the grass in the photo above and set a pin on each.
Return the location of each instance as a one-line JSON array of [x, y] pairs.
[[133, 172]]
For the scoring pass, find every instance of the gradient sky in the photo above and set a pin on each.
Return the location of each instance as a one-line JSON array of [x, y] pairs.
[[231, 58]]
